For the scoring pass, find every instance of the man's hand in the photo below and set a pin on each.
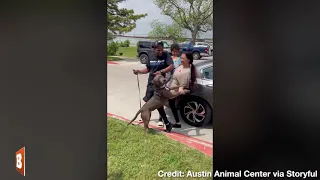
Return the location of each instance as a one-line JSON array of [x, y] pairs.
[[136, 71], [181, 90], [157, 73]]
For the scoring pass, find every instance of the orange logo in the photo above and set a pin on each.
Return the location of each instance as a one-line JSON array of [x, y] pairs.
[[21, 161]]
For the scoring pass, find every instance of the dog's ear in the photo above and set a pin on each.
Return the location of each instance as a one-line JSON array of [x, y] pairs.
[[163, 80], [155, 79]]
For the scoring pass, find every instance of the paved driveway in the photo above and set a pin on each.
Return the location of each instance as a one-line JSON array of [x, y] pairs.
[[206, 58], [123, 98]]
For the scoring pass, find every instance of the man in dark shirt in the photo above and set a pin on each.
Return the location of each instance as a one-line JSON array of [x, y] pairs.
[[159, 63]]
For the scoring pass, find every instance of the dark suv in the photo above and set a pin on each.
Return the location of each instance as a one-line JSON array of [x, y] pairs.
[[144, 50]]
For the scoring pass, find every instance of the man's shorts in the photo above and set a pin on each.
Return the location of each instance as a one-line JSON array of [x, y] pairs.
[[149, 93]]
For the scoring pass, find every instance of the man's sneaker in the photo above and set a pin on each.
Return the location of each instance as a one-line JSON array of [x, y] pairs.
[[140, 120], [160, 124]]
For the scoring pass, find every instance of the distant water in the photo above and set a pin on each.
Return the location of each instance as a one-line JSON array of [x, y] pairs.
[[133, 41]]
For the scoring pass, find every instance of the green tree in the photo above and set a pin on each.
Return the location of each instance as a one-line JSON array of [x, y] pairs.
[[193, 15], [161, 30], [120, 20]]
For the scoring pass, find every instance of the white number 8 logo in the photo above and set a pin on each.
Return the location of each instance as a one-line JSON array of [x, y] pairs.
[[19, 162]]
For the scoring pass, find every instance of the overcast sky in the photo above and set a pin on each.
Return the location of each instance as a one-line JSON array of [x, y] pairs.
[[147, 6]]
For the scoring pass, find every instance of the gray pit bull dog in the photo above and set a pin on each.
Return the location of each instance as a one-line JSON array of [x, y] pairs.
[[160, 98]]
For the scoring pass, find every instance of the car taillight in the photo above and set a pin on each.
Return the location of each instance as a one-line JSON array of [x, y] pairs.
[[205, 50]]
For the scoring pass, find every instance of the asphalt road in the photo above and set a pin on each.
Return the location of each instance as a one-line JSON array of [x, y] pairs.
[[206, 58], [123, 97]]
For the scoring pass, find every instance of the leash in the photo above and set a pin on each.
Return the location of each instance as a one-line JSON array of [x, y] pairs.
[[139, 89], [153, 70]]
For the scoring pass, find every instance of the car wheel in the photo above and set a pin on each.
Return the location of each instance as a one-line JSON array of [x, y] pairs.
[[144, 58], [195, 111], [196, 55]]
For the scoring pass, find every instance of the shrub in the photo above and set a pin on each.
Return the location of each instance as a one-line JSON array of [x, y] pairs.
[[121, 44], [120, 54], [112, 48], [126, 43]]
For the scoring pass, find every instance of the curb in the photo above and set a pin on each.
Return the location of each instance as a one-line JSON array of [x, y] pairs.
[[203, 146], [111, 62]]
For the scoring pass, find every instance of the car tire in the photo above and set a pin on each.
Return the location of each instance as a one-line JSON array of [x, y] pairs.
[[191, 107], [196, 55], [144, 58]]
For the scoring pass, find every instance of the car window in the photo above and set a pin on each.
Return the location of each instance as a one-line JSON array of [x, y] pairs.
[[145, 45], [183, 45], [207, 73], [165, 45]]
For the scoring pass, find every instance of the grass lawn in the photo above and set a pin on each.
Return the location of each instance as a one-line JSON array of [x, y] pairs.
[[130, 51], [134, 155], [111, 58]]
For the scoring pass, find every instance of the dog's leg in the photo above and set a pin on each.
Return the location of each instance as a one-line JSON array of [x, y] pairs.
[[146, 128], [146, 118]]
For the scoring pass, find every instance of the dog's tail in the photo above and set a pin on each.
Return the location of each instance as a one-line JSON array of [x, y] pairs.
[[135, 117]]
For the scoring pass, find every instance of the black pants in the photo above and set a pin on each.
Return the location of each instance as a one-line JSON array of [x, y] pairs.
[[162, 113], [172, 104]]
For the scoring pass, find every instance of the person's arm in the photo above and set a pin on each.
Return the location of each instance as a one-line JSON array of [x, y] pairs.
[[143, 71], [168, 69]]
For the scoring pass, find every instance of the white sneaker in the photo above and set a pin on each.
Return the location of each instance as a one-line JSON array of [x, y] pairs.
[[160, 124], [140, 120]]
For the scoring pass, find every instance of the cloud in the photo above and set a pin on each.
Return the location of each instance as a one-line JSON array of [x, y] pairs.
[[142, 7], [144, 24]]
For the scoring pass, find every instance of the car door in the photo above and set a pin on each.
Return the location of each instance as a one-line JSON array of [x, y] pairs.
[[183, 47]]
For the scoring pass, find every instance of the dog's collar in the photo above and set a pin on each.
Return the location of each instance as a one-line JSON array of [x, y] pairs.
[[163, 86]]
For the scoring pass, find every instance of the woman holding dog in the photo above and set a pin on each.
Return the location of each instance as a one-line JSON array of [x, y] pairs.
[[185, 77], [160, 63]]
